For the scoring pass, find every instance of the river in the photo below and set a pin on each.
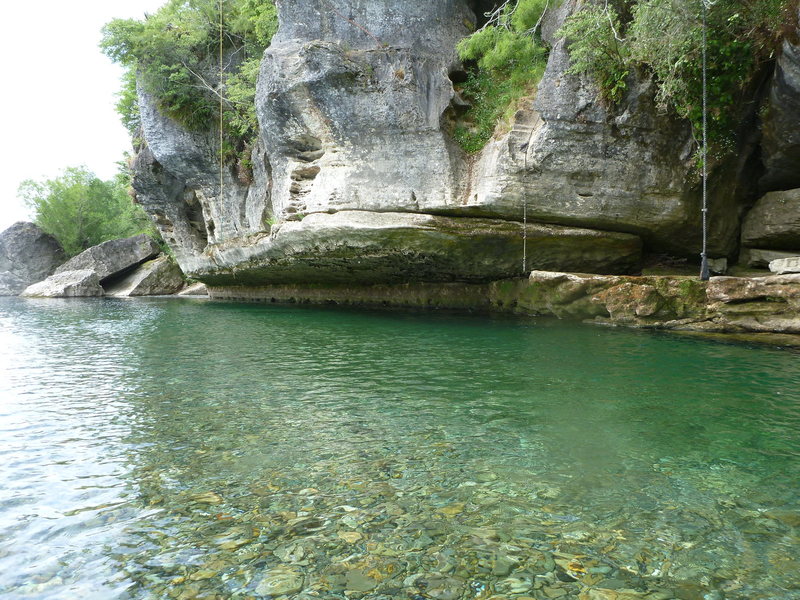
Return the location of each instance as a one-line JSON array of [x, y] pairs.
[[170, 448]]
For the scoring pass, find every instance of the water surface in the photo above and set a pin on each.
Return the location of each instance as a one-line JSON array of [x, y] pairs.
[[186, 449]]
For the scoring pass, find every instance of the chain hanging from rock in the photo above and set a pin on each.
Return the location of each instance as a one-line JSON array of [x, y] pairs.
[[221, 99], [704, 269]]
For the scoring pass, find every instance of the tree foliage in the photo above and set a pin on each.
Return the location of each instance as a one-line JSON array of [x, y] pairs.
[[509, 59], [81, 211], [174, 55], [608, 41]]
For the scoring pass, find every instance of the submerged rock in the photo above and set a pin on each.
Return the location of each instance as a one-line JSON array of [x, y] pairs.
[[27, 255], [280, 581], [154, 278], [66, 284], [113, 257]]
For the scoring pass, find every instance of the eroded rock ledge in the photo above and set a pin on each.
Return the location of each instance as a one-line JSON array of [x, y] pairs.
[[761, 305]]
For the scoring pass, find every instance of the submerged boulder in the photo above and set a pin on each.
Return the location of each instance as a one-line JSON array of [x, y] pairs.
[[159, 277], [27, 255], [67, 284], [113, 257]]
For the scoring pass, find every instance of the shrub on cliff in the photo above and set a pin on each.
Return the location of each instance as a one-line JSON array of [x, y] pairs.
[[508, 59], [81, 211], [608, 41], [174, 55]]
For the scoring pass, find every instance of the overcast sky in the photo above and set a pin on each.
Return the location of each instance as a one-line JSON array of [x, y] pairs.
[[58, 93]]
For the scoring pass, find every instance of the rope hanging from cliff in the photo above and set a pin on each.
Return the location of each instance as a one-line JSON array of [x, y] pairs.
[[704, 269], [221, 99]]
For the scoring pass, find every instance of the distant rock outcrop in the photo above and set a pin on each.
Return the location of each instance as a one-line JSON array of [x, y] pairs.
[[114, 257], [27, 255]]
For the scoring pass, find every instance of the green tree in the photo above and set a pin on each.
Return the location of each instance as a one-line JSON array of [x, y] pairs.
[[174, 54], [81, 211]]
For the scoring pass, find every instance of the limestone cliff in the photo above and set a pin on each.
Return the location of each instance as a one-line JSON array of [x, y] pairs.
[[355, 178]]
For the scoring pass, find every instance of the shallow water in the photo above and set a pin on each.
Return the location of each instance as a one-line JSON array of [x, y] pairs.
[[186, 449]]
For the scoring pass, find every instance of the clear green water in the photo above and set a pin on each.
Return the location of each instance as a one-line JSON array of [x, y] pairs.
[[187, 449]]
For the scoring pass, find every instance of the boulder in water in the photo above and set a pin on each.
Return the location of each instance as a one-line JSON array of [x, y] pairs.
[[113, 257], [66, 284], [27, 255]]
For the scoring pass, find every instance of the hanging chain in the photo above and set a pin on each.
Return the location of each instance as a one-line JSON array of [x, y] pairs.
[[221, 100], [704, 269]]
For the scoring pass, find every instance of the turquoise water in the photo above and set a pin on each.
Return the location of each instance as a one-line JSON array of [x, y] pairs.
[[187, 449]]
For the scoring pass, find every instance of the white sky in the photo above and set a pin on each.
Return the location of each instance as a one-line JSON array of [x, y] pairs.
[[57, 94]]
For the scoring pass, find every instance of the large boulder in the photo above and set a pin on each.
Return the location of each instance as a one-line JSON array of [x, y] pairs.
[[67, 284], [159, 277], [113, 257], [774, 222], [27, 255]]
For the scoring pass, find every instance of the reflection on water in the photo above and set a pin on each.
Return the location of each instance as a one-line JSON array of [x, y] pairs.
[[185, 449]]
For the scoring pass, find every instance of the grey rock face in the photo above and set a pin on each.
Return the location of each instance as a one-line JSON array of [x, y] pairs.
[[27, 255], [351, 101], [112, 257], [159, 277], [576, 161], [774, 222], [67, 284], [759, 258], [781, 128]]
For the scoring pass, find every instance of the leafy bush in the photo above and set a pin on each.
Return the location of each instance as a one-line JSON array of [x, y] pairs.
[[664, 37], [174, 54], [81, 211], [509, 59], [595, 48]]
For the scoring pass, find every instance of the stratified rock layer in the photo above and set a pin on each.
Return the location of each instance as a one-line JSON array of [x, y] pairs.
[[369, 247], [27, 255]]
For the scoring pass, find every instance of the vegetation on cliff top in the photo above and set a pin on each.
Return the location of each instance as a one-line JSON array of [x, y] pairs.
[[663, 38], [611, 40], [509, 58], [174, 55], [81, 211]]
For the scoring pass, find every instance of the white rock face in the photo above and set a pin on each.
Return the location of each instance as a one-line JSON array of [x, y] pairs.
[[784, 266], [67, 284], [352, 115]]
